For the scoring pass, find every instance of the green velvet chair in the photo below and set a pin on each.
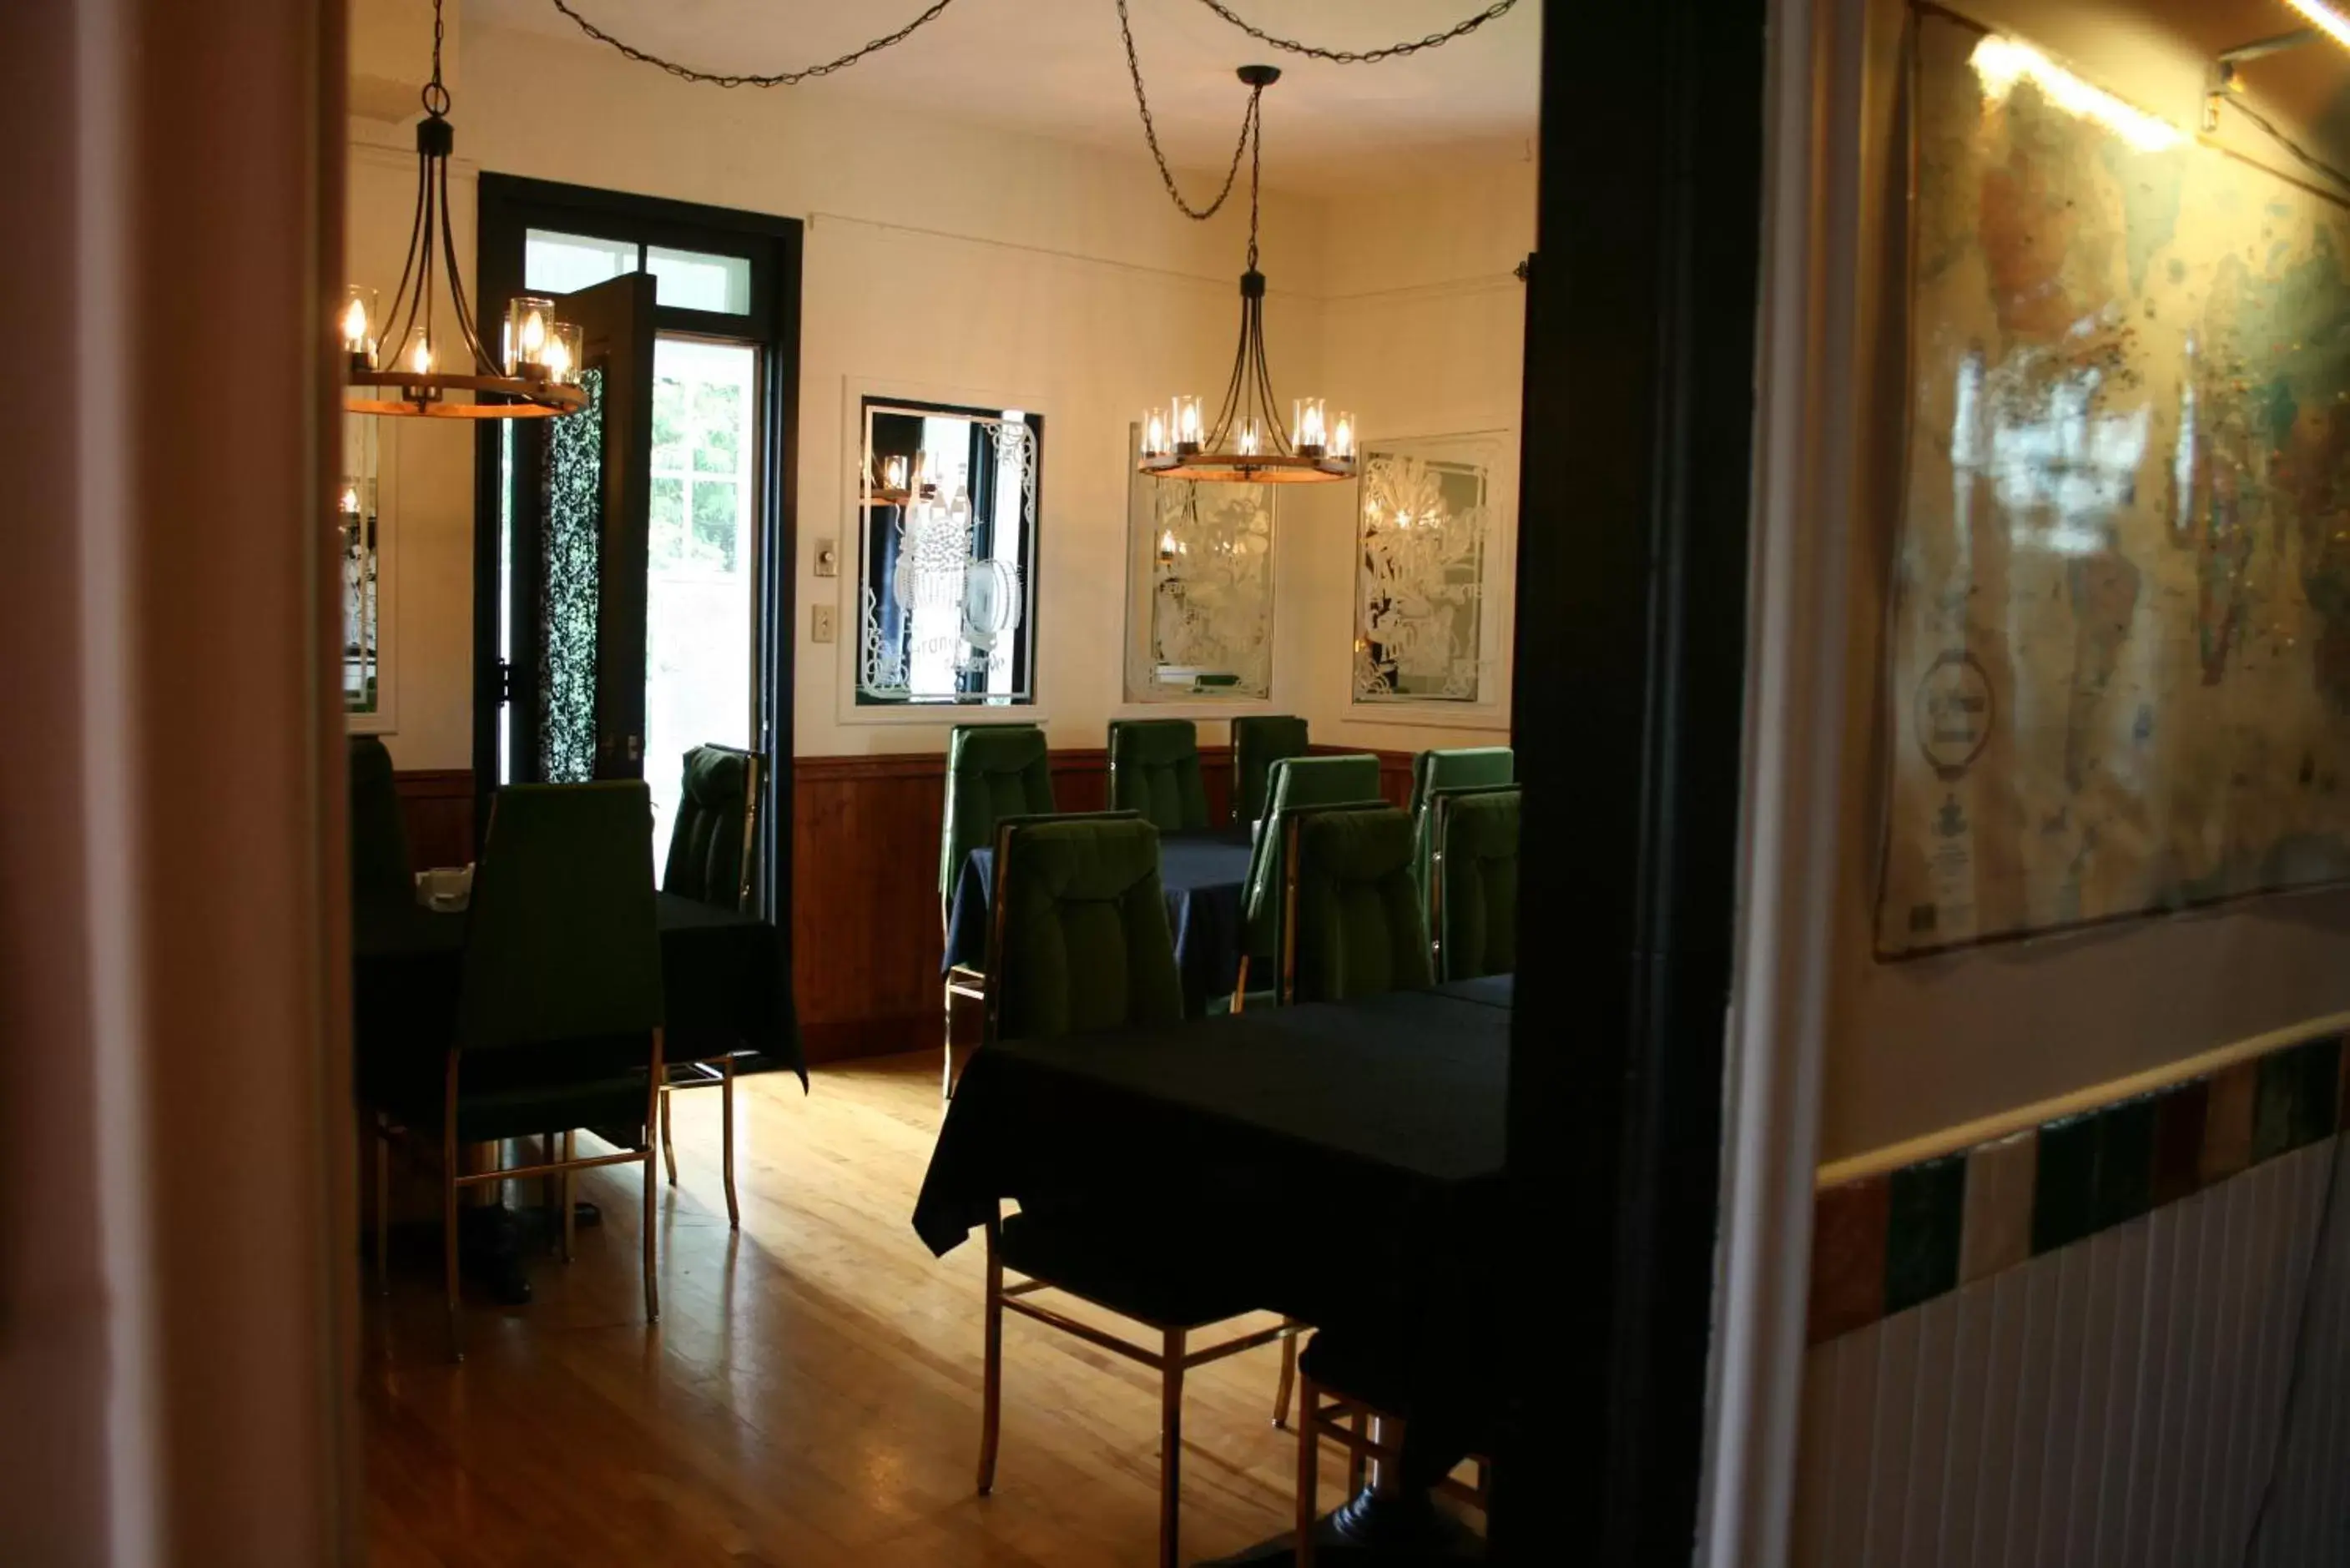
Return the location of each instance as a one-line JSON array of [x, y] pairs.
[[993, 772], [1154, 770], [379, 869], [1468, 767], [1259, 741], [1295, 784], [1080, 945], [559, 1007], [713, 844], [1352, 926], [712, 852], [1472, 889]]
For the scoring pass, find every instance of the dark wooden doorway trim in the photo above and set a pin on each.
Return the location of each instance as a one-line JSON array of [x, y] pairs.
[[1640, 354], [509, 205]]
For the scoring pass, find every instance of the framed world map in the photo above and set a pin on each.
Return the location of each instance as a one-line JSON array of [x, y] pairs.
[[2119, 646]]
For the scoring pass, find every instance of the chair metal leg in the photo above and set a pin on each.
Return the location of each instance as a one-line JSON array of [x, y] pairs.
[[570, 1152], [652, 1283], [1170, 1446], [991, 1396], [1309, 1475], [726, 1134], [449, 1238], [654, 1086], [383, 1213], [669, 1145], [1288, 1378]]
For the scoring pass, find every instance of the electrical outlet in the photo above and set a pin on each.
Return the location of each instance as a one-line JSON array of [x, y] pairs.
[[820, 623]]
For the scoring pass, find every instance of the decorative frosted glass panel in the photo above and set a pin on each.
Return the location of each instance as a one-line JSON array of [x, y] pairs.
[[947, 545], [1424, 536], [358, 552], [555, 262], [1199, 588], [694, 280], [571, 538]]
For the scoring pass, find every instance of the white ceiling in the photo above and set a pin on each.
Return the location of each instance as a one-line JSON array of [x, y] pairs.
[[1056, 69]]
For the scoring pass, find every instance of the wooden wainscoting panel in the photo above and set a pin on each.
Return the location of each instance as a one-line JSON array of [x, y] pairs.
[[864, 926], [437, 806]]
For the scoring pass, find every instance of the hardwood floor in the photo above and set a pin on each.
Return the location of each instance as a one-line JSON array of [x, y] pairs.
[[811, 1394]]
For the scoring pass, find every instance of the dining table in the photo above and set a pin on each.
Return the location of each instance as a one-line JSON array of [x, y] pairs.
[[1345, 1159], [726, 989], [1202, 873]]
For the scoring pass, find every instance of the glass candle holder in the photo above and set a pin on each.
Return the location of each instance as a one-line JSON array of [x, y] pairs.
[[530, 327], [1251, 441], [417, 358], [357, 326], [1188, 429], [1342, 437], [1154, 433], [564, 353], [1308, 428]]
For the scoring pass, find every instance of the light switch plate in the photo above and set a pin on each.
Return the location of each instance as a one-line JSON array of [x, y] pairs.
[[828, 557], [820, 628]]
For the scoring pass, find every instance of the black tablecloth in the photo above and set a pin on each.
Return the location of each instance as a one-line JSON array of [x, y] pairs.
[[1202, 875], [1486, 990], [1347, 1157], [723, 978]]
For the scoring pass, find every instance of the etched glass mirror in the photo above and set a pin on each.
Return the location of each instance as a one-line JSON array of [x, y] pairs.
[[1199, 588], [947, 549], [1425, 632]]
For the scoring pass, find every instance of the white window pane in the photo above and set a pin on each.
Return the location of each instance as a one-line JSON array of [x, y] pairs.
[[700, 588], [557, 264], [691, 280]]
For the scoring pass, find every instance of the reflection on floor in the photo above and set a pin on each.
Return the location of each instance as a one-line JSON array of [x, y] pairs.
[[811, 1394]]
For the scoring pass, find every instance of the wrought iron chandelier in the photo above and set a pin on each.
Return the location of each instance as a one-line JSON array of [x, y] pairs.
[[1247, 442], [537, 373]]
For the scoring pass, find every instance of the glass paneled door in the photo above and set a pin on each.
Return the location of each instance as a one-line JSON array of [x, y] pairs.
[[631, 545], [574, 529]]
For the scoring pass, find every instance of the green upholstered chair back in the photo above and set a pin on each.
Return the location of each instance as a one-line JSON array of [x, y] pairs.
[[1259, 741], [380, 867], [1468, 767], [1354, 927], [561, 943], [711, 843], [1079, 942], [1473, 891], [993, 770], [1294, 783], [1154, 770]]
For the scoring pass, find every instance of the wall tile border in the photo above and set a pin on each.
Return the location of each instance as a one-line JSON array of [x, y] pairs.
[[1896, 1239]]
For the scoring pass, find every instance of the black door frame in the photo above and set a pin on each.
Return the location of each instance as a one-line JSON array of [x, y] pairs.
[[509, 205], [1633, 540]]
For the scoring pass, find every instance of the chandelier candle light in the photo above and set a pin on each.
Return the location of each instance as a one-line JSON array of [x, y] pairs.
[[536, 374], [1246, 443]]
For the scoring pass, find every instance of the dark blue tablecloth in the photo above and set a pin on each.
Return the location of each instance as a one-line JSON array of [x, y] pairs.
[[1202, 875], [1486, 990]]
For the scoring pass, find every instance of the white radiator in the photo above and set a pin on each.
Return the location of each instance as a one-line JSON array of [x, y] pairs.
[[2115, 1404]]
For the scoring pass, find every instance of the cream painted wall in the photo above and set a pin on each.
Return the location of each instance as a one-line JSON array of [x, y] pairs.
[[963, 263], [1423, 326], [1925, 1045]]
